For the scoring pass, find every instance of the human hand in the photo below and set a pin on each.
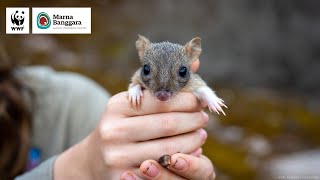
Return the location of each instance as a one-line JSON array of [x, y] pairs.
[[196, 166], [182, 166], [126, 137]]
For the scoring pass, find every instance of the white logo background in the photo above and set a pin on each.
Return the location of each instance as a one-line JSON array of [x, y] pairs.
[[78, 14], [17, 20]]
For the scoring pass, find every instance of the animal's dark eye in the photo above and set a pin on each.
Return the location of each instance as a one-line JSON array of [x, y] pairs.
[[146, 70], [183, 71]]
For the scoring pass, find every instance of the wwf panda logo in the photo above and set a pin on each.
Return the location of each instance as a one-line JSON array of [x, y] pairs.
[[17, 18]]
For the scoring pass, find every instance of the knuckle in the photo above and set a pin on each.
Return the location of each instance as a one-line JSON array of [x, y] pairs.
[[109, 158], [112, 105], [109, 132], [114, 158], [116, 101], [168, 125]]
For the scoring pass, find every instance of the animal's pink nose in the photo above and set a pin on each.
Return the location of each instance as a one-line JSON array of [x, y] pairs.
[[163, 95]]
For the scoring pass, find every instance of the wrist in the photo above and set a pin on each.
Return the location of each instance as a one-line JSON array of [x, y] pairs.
[[75, 163]]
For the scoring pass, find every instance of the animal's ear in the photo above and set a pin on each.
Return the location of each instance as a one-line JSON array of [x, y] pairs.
[[142, 44], [193, 48]]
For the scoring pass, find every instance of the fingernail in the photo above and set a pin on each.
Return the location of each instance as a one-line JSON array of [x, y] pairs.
[[128, 176], [152, 170], [205, 116], [203, 134], [180, 163]]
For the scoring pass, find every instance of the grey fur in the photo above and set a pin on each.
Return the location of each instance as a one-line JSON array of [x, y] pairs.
[[165, 59], [164, 80]]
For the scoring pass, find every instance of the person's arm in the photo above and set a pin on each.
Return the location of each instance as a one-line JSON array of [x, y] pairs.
[[84, 161], [43, 171]]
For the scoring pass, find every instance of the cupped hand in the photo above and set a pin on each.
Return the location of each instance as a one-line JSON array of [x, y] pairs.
[[194, 166], [126, 137]]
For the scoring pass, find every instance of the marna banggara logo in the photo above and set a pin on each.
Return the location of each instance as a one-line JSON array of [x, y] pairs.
[[65, 20], [43, 20]]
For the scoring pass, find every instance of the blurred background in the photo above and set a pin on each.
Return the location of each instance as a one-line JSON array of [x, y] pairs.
[[262, 58]]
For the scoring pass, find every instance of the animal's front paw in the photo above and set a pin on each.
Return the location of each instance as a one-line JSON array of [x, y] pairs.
[[209, 98], [216, 105], [135, 95]]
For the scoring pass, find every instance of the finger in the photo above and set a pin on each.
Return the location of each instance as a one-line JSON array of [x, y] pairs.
[[150, 169], [128, 175], [197, 153], [154, 149], [182, 102], [185, 143], [155, 126], [195, 65], [192, 167]]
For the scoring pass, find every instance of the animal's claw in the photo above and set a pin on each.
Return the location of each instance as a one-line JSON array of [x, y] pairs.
[[208, 97], [135, 95], [221, 103], [213, 108]]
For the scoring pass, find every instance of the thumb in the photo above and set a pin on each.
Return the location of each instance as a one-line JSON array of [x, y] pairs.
[[192, 167]]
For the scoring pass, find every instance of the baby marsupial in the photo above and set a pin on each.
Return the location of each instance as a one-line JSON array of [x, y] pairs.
[[165, 71]]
